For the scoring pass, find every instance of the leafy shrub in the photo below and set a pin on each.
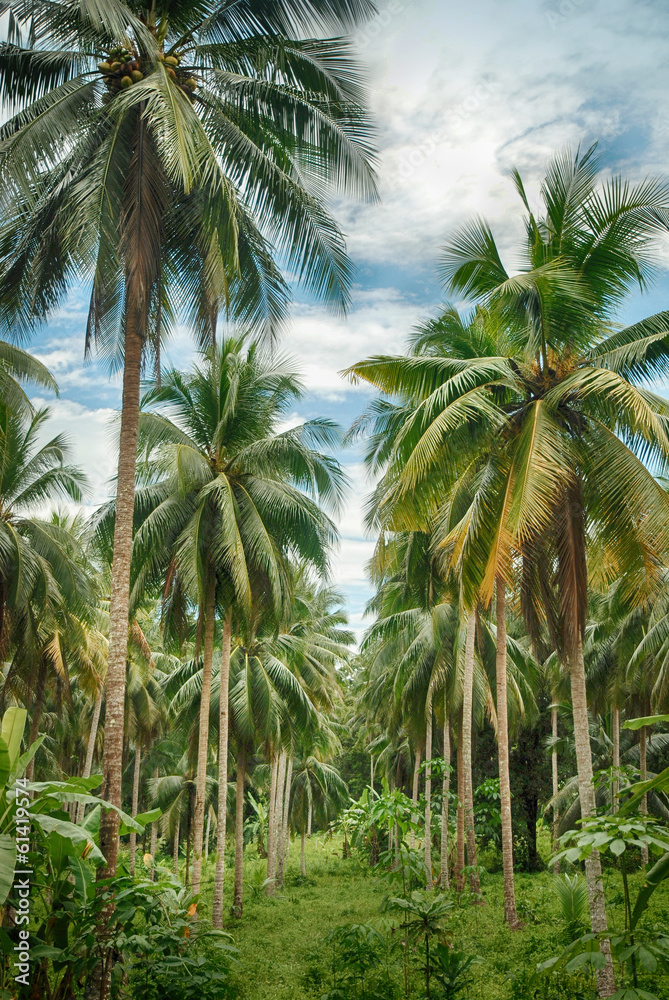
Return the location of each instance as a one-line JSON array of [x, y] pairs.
[[572, 895]]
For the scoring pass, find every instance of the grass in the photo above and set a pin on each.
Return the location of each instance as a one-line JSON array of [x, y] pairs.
[[283, 954]]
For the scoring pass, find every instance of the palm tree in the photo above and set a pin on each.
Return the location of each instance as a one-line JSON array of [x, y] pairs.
[[37, 570], [566, 430], [168, 149], [223, 505]]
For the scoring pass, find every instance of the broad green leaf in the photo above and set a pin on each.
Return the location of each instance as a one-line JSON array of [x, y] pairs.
[[13, 724], [648, 720], [7, 864], [617, 846], [5, 763], [657, 874], [51, 824], [26, 757]]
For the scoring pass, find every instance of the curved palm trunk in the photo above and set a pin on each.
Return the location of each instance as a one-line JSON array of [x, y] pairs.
[[271, 824], [203, 736], [223, 723], [616, 757], [112, 758], [309, 818], [135, 805], [556, 780], [593, 868], [467, 709], [154, 834], [510, 913], [428, 795], [272, 860], [303, 862], [90, 749], [239, 835], [283, 845], [38, 702], [445, 790], [460, 818], [643, 809], [414, 794]]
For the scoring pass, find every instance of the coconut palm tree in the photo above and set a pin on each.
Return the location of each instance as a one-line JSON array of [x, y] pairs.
[[223, 504], [565, 426], [167, 150]]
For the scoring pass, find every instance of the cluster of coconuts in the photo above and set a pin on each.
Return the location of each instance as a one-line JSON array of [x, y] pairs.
[[121, 68], [187, 84]]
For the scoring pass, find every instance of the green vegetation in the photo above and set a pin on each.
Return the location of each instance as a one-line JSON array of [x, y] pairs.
[[205, 790]]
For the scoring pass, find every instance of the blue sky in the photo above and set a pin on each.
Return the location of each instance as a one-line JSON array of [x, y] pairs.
[[461, 92]]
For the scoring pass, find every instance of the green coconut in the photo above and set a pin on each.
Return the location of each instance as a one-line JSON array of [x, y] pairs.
[[104, 67], [171, 61], [191, 84], [137, 75], [126, 81]]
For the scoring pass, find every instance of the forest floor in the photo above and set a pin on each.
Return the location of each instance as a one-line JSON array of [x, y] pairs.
[[284, 953]]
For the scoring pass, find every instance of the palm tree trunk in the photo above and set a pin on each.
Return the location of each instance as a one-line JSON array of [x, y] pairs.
[[135, 805], [222, 806], [154, 834], [271, 824], [278, 823], [467, 709], [445, 790], [284, 840], [556, 779], [303, 861], [414, 795], [371, 772], [239, 834], [593, 868], [90, 749], [38, 702], [460, 817], [206, 838], [203, 735], [112, 758], [309, 818], [175, 847], [428, 794], [616, 758], [510, 913], [643, 808]]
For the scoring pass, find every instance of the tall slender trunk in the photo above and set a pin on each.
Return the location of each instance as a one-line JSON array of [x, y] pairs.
[[203, 733], [593, 867], [112, 758], [310, 813], [38, 703], [239, 834], [154, 833], [278, 820], [206, 837], [303, 862], [616, 759], [222, 806], [556, 779], [135, 805], [428, 794], [175, 847], [371, 772], [643, 808], [90, 749], [460, 816], [283, 843], [414, 795], [467, 709], [271, 823], [445, 790], [510, 913]]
